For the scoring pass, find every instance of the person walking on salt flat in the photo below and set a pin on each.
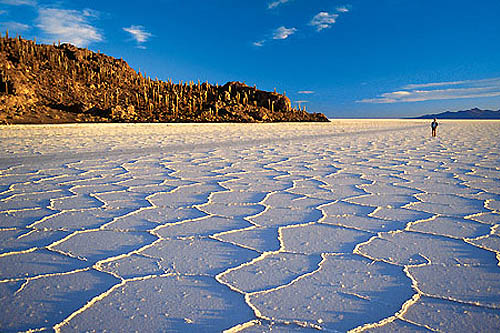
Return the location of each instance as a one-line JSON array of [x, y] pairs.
[[434, 126]]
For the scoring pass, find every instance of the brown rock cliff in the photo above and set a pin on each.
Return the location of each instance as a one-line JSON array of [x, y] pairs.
[[63, 83]]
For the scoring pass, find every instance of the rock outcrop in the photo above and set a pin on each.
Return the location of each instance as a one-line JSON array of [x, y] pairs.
[[62, 83]]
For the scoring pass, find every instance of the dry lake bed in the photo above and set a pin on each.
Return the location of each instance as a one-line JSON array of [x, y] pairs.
[[352, 225]]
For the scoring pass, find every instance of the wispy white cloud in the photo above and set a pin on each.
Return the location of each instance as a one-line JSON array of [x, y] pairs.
[[343, 9], [19, 2], [447, 90], [283, 32], [14, 27], [87, 12], [139, 34], [432, 84], [276, 3], [493, 81], [68, 25], [259, 43], [306, 92], [323, 20], [3, 12], [278, 34]]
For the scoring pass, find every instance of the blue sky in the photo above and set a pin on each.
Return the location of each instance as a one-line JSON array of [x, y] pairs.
[[347, 59]]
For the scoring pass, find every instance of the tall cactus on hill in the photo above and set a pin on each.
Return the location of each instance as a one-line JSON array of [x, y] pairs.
[[63, 76]]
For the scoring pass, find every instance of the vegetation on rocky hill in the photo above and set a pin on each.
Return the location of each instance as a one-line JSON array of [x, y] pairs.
[[62, 83]]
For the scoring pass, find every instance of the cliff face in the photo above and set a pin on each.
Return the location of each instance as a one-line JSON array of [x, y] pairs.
[[63, 83]]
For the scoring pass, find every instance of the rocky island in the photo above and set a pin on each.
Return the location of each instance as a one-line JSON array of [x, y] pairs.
[[41, 84]]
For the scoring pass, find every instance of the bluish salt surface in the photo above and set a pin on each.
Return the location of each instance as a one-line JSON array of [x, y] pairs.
[[353, 225]]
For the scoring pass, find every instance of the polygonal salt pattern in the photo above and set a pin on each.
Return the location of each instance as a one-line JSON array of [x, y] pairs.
[[270, 271], [40, 262], [371, 226], [16, 240], [364, 223], [168, 303], [93, 246], [322, 238], [453, 227], [133, 266], [445, 316], [33, 305], [488, 242], [411, 248], [346, 292], [202, 227], [258, 239], [198, 256], [475, 284]]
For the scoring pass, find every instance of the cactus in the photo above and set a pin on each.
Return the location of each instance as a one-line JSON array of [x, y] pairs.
[[94, 78]]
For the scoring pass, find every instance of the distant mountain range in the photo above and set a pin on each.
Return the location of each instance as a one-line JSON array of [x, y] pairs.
[[467, 114]]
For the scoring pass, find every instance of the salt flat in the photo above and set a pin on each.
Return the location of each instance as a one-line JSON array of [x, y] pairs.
[[353, 225]]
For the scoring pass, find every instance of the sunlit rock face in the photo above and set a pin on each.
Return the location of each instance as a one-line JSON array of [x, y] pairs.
[[46, 84], [349, 225]]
